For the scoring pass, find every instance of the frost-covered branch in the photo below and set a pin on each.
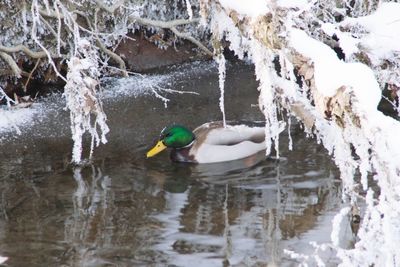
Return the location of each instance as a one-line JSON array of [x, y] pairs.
[[192, 39], [3, 96], [336, 97], [85, 107], [172, 26], [163, 24], [114, 56], [24, 49]]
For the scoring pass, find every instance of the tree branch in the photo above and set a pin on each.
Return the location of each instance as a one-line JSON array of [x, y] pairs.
[[103, 48], [30, 74], [192, 39], [23, 48], [163, 24], [114, 56], [172, 24], [11, 62]]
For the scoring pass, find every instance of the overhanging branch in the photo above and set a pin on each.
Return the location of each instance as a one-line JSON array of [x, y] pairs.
[[24, 49]]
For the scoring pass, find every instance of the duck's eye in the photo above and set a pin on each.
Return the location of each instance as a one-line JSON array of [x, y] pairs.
[[168, 135]]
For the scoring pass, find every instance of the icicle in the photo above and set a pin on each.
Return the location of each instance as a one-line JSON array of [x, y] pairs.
[[220, 59], [189, 9], [336, 225], [289, 133]]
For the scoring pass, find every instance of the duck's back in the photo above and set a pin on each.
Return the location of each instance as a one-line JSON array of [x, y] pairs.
[[215, 143]]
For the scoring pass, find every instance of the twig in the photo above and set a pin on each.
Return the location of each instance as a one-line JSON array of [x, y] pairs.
[[193, 40], [3, 95], [53, 32], [115, 68], [114, 56], [30, 75], [107, 51]]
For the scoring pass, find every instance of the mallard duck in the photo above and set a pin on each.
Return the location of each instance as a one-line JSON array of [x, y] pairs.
[[211, 142]]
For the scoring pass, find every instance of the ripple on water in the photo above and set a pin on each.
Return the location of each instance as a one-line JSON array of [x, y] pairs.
[[126, 210]]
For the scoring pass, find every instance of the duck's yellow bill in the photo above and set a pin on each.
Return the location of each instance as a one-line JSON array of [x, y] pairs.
[[156, 149]]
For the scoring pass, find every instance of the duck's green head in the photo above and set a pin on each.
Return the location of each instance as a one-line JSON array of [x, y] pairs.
[[175, 136]]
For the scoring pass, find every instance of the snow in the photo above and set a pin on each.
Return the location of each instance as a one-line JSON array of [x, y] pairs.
[[14, 119], [383, 27], [347, 43], [331, 73], [189, 9], [337, 225], [252, 8], [375, 142], [292, 4], [369, 147]]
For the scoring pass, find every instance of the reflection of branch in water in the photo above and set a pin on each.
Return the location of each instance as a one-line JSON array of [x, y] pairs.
[[227, 232], [175, 202], [84, 229]]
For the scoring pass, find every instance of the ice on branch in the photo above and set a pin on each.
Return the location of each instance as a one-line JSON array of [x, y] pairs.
[[189, 9], [336, 99], [220, 59], [81, 94]]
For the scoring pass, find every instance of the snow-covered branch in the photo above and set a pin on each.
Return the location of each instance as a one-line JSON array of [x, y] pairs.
[[334, 94]]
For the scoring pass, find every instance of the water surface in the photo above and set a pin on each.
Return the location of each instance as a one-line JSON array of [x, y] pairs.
[[126, 210]]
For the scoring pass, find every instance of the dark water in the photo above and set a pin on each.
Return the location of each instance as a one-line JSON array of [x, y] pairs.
[[126, 210]]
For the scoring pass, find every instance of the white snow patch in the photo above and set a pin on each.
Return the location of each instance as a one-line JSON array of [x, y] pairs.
[[189, 9], [383, 26], [16, 119], [332, 73], [252, 8], [348, 43], [292, 4], [337, 225]]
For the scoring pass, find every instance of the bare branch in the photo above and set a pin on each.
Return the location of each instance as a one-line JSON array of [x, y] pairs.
[[45, 13], [30, 74], [191, 39], [11, 62], [114, 56], [23, 48], [164, 24]]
